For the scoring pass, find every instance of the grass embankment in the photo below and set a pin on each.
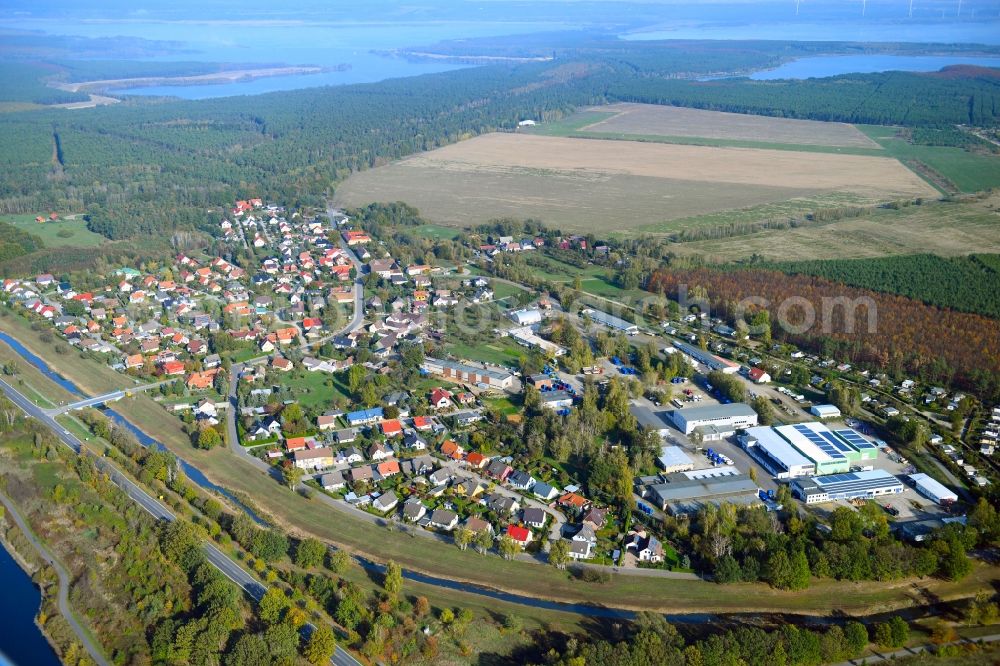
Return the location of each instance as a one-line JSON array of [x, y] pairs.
[[301, 516], [28, 379]]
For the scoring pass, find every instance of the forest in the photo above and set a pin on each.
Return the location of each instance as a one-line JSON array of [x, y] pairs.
[[935, 344], [21, 82], [147, 167], [969, 284], [970, 96], [15, 242]]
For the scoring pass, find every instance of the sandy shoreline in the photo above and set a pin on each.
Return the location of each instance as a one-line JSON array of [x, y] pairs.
[[222, 77]]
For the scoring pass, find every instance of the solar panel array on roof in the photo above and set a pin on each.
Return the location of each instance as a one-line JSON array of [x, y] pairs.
[[822, 443], [851, 482], [854, 439], [839, 444]]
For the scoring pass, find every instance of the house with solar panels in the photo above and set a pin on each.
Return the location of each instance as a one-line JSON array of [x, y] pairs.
[[847, 486], [831, 451]]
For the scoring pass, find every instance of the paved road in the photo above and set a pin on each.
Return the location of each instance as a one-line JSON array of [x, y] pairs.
[[880, 657], [216, 557], [107, 397], [64, 581]]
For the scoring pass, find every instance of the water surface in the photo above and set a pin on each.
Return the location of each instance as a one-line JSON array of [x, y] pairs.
[[21, 642], [821, 66]]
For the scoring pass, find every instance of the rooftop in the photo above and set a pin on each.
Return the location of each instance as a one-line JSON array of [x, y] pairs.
[[815, 441], [777, 447], [713, 412]]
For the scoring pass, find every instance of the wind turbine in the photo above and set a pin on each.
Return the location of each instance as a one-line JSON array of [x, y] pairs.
[[959, 14], [864, 7], [797, 7], [910, 14]]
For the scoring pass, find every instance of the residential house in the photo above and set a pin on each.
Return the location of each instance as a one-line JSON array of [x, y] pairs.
[[586, 534], [353, 455], [544, 491], [572, 500], [387, 468], [534, 517], [476, 460], [293, 444], [391, 428], [440, 477], [363, 473], [413, 509], [580, 550], [319, 458], [476, 525], [595, 518], [519, 534], [346, 436], [451, 449], [520, 480], [332, 481], [645, 547], [469, 488], [413, 441], [365, 416], [379, 451], [385, 502], [443, 519], [501, 504], [499, 470], [422, 423], [440, 399]]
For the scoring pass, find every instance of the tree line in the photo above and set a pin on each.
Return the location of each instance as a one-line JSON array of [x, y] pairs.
[[936, 344], [970, 283]]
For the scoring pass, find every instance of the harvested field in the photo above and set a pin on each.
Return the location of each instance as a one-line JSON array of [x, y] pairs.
[[656, 120], [584, 185]]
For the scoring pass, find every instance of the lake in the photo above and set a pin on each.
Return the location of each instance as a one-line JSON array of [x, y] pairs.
[[21, 643], [806, 68], [325, 44], [933, 32]]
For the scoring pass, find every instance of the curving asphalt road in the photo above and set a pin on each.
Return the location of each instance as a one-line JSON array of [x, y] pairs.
[[881, 657], [64, 581], [253, 588]]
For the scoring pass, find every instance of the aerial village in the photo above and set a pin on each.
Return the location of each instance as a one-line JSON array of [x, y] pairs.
[[299, 363]]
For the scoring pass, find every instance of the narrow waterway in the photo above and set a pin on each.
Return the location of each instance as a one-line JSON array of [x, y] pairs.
[[189, 470], [21, 643]]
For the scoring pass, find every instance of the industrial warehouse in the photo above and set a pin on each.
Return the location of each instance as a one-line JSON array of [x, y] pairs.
[[686, 492], [775, 454], [611, 321], [722, 420], [831, 451], [932, 489], [852, 485], [807, 449], [711, 361]]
